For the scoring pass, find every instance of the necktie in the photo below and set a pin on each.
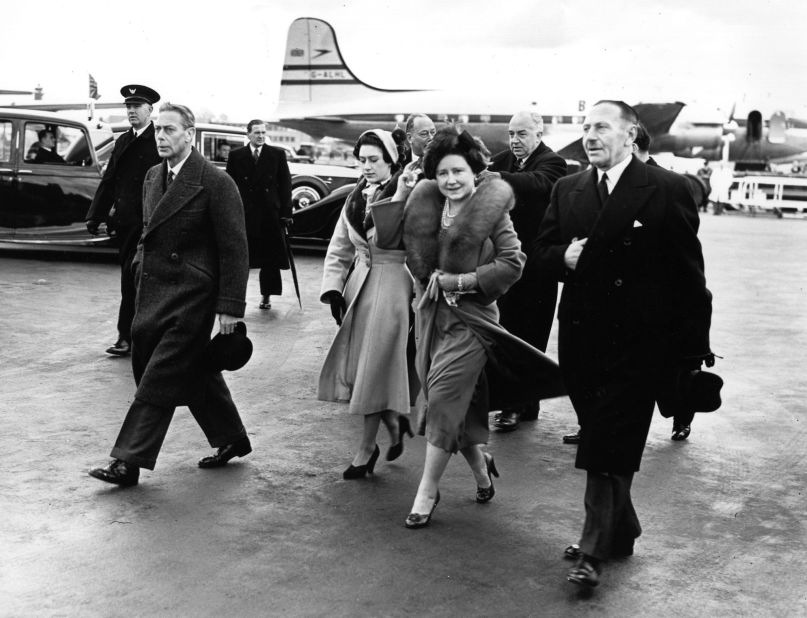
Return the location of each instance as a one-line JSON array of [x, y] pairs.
[[256, 154], [602, 189], [521, 164], [170, 179]]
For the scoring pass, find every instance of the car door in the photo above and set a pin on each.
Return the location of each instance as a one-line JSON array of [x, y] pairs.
[[54, 191]]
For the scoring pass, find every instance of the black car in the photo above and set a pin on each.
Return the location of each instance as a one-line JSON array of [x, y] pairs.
[[44, 197]]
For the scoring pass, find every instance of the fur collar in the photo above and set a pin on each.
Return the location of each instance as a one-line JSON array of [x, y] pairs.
[[457, 248]]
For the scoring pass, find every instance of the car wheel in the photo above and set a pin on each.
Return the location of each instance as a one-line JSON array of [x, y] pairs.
[[304, 195]]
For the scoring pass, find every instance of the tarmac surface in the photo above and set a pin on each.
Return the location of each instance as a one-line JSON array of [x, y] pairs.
[[279, 533]]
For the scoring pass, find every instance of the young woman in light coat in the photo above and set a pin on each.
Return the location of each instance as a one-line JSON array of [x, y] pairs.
[[369, 290]]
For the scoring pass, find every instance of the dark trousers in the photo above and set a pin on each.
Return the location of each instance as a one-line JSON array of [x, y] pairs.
[[128, 236], [270, 281], [611, 521], [146, 424]]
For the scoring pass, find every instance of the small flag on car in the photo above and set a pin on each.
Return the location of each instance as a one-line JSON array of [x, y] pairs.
[[94, 89]]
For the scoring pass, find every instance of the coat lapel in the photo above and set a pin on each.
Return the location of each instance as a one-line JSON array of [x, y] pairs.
[[585, 202], [183, 189], [628, 198]]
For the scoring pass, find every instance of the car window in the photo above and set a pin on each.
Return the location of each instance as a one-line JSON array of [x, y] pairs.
[[214, 145], [56, 144], [5, 141]]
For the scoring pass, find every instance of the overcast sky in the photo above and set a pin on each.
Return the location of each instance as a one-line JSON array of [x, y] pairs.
[[226, 56]]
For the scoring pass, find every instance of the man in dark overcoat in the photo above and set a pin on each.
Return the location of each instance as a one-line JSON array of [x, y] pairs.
[[119, 198], [531, 168], [191, 266], [634, 311], [264, 182]]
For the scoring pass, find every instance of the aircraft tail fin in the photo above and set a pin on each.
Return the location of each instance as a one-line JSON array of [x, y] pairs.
[[314, 71]]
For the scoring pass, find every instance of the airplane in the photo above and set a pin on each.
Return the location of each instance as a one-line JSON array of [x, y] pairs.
[[321, 96]]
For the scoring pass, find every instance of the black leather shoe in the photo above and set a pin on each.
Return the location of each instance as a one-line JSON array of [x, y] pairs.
[[120, 348], [358, 472], [573, 552], [404, 428], [484, 494], [118, 472], [572, 438], [585, 572], [420, 520], [680, 432], [508, 420], [226, 453]]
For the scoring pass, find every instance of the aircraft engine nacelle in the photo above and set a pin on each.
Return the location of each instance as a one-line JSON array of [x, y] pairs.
[[753, 127]]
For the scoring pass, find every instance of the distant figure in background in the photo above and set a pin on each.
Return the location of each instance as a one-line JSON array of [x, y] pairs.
[[419, 133], [264, 182], [191, 268], [705, 174], [119, 198], [222, 152], [368, 288], [641, 145], [46, 153], [527, 309]]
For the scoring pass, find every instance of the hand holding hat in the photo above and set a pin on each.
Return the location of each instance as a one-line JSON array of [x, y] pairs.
[[229, 352]]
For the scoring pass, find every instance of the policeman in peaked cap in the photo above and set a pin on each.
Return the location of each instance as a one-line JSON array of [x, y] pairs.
[[135, 93], [119, 198]]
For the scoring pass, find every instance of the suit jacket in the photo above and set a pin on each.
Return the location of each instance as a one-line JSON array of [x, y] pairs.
[[265, 189], [121, 187], [528, 307], [43, 155], [636, 303], [191, 263]]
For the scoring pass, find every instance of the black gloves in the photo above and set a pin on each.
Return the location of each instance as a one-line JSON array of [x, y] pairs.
[[92, 227], [288, 223], [338, 305]]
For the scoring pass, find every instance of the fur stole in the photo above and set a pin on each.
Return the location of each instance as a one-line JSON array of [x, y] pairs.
[[356, 204], [456, 249]]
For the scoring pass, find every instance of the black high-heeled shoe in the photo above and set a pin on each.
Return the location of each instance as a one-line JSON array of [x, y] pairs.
[[484, 494], [357, 472], [396, 450], [419, 520]]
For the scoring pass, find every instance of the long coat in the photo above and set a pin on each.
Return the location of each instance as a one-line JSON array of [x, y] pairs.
[[191, 264], [635, 305], [367, 363], [265, 189], [481, 240], [121, 187], [528, 308]]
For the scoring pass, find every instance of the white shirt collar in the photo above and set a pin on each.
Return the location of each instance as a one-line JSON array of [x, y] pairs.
[[179, 165], [139, 132], [614, 173]]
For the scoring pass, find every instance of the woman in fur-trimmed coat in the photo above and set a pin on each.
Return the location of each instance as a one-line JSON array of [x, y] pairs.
[[369, 290], [463, 252]]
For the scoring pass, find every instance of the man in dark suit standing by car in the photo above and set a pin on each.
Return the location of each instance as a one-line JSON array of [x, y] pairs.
[[531, 168], [264, 182], [634, 313], [119, 198], [191, 266]]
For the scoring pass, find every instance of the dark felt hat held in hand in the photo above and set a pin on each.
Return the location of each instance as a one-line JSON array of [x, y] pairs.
[[230, 352]]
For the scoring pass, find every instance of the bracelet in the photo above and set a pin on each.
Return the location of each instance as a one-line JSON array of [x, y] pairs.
[[459, 284]]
